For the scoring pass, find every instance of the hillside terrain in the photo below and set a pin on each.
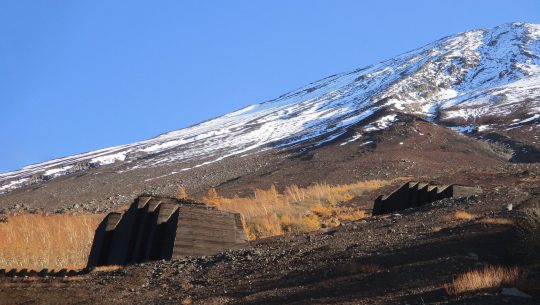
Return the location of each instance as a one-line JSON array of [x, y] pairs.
[[404, 258], [482, 83], [462, 110]]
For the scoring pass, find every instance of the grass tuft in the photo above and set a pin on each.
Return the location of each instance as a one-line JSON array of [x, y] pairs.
[[107, 268], [498, 221], [463, 215], [489, 277]]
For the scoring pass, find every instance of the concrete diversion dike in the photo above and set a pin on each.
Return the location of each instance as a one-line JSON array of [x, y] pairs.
[[155, 228], [414, 194]]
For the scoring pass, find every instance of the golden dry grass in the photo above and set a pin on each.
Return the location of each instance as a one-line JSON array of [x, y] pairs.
[[181, 193], [489, 277], [498, 221], [107, 268], [462, 215], [459, 215], [36, 241], [436, 229], [269, 212]]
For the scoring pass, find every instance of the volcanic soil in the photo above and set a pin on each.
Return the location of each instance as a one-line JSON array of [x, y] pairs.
[[403, 258], [411, 147]]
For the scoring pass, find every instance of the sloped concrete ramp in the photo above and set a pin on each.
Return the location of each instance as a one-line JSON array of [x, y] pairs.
[[415, 194], [155, 228]]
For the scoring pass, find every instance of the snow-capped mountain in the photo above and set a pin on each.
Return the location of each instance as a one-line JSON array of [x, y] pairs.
[[475, 82]]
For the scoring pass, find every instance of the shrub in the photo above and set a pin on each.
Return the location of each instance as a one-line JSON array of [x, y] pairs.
[[212, 198], [489, 277], [463, 215], [182, 194]]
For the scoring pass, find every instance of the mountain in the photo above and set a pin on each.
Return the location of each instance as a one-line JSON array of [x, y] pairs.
[[482, 83]]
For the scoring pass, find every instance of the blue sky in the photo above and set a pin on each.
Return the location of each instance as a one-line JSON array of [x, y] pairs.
[[82, 75]]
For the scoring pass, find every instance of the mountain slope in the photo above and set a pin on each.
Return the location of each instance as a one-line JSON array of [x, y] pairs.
[[483, 82]]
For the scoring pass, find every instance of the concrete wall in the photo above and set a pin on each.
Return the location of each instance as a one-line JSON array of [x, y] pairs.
[[156, 228], [415, 194], [103, 240], [205, 231]]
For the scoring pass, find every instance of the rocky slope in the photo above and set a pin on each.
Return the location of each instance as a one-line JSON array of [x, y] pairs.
[[483, 82], [404, 258]]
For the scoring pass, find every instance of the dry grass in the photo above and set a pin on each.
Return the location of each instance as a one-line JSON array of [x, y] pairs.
[[490, 277], [269, 212], [108, 268], [36, 241], [436, 229], [462, 215], [181, 193], [498, 221], [459, 215]]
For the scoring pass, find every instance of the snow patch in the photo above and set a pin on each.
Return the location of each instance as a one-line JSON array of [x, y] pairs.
[[464, 129], [352, 139], [366, 143], [382, 123], [109, 159]]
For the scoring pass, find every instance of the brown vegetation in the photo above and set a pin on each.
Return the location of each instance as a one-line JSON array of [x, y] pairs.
[[107, 268], [498, 221], [36, 241], [212, 198], [459, 215], [269, 212], [182, 194], [489, 277], [463, 215]]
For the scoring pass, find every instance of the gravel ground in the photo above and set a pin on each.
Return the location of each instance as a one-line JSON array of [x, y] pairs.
[[403, 258]]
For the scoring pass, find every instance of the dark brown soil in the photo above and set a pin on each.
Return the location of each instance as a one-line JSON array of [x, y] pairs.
[[395, 259], [401, 258]]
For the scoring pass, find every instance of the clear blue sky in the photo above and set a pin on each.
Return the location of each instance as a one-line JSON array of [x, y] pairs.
[[82, 75]]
